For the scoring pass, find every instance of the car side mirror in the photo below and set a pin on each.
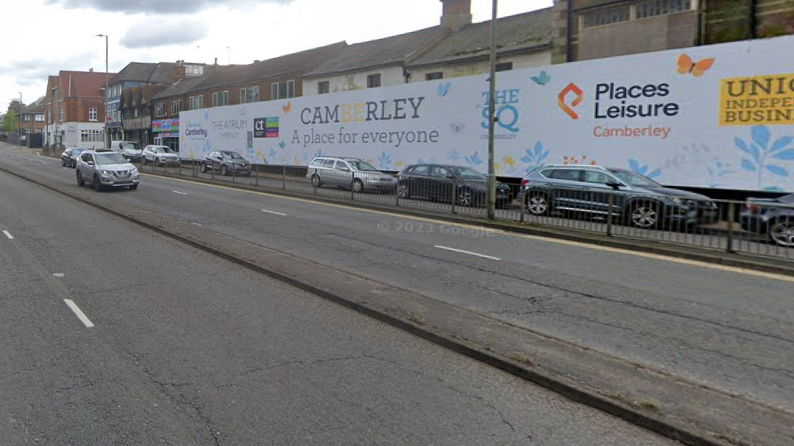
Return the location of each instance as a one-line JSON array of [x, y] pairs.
[[90, 163], [613, 184]]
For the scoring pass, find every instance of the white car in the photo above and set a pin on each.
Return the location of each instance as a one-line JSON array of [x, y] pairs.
[[159, 155]]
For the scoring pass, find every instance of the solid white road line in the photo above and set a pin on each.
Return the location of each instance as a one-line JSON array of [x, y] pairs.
[[274, 212], [76, 310], [180, 193], [467, 252], [8, 234]]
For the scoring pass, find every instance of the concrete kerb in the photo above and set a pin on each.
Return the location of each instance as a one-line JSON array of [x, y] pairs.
[[559, 385], [735, 260]]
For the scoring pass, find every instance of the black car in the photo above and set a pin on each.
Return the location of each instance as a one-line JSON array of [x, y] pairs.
[[69, 157], [770, 217], [226, 162], [440, 181]]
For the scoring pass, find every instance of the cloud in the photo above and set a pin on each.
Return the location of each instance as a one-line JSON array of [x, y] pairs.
[[158, 6], [28, 72], [154, 33]]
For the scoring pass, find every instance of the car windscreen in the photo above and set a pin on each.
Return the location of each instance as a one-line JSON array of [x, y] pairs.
[[635, 179], [76, 151], [109, 158], [232, 155], [362, 166], [132, 146], [467, 173]]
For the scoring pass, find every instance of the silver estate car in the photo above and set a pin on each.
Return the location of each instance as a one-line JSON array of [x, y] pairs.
[[349, 173], [106, 169]]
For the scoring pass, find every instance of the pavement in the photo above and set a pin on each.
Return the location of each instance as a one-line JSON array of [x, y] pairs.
[[678, 339], [177, 347]]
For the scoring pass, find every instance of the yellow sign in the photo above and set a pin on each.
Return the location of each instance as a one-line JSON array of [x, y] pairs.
[[757, 100]]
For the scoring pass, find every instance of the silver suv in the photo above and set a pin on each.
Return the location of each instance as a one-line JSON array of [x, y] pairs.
[[351, 173], [590, 190], [106, 169]]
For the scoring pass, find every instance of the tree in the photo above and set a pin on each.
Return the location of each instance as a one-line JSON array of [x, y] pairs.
[[8, 124]]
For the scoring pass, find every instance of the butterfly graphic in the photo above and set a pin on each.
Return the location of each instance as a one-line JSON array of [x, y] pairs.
[[287, 108], [542, 79], [282, 144], [458, 127], [206, 116], [443, 89], [686, 65]]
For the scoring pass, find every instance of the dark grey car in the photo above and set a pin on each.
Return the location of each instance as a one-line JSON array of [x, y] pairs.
[[226, 162], [590, 190], [69, 157], [440, 182], [771, 217]]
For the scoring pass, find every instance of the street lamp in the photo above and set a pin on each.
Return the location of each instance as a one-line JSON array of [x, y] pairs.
[[106, 87], [492, 121]]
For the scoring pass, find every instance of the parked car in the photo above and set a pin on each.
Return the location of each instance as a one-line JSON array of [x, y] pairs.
[[351, 173], [440, 182], [129, 149], [226, 162], [770, 217], [637, 199], [159, 155], [69, 157], [106, 169]]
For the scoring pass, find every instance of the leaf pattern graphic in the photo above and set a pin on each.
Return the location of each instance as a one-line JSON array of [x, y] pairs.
[[787, 155], [762, 149], [781, 143], [777, 170], [748, 165], [761, 135]]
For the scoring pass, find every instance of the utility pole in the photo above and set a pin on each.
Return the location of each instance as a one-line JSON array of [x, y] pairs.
[[492, 121], [106, 89]]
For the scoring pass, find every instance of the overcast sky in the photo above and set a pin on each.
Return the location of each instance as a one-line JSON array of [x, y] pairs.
[[42, 37]]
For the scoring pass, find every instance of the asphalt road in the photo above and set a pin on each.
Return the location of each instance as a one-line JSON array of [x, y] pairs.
[[727, 330], [165, 344]]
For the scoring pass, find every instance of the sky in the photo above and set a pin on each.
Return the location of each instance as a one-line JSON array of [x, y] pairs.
[[42, 37]]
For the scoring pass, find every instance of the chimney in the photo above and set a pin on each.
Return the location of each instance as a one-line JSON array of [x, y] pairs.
[[457, 14], [90, 70], [180, 71]]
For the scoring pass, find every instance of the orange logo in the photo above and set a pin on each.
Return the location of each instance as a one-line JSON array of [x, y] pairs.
[[287, 108], [686, 65], [571, 88]]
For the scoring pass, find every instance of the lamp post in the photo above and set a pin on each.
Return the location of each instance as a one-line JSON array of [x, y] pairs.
[[106, 88], [492, 121]]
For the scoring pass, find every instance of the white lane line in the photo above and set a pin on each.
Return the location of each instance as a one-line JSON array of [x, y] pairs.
[[467, 252], [180, 193], [274, 212], [8, 234], [80, 315]]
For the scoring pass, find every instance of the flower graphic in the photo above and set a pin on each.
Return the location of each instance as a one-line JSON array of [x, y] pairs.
[[535, 157], [508, 160], [474, 159], [453, 155], [573, 160], [384, 161], [635, 167], [761, 152], [398, 164]]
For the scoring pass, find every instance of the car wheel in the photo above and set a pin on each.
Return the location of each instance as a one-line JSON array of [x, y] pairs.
[[403, 192], [97, 184], [465, 197], [316, 182], [63, 162], [644, 214], [538, 203], [224, 171], [80, 181], [157, 162], [358, 186], [781, 232], [143, 160]]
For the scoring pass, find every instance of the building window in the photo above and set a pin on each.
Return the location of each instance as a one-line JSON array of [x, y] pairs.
[[27, 118], [61, 115], [196, 102], [324, 87], [606, 16], [434, 76], [39, 118], [250, 94], [49, 116], [373, 81], [176, 107], [282, 90], [92, 135], [504, 66], [159, 109], [194, 70], [220, 98], [92, 115], [662, 7]]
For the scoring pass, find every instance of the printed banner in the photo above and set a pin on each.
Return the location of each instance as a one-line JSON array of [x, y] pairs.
[[719, 116]]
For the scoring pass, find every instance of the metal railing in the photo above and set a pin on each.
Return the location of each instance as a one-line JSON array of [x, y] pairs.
[[732, 226]]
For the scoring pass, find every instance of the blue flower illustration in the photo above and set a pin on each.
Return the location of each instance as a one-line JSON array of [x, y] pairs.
[[384, 161], [717, 170], [534, 158], [318, 153], [473, 159], [453, 155], [635, 167], [761, 151]]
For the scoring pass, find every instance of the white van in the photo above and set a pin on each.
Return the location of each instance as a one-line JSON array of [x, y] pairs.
[[130, 149]]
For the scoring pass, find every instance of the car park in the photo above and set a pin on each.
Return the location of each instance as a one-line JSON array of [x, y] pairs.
[[106, 169], [159, 155], [771, 217], [69, 157], [226, 162], [439, 182], [349, 173], [600, 191]]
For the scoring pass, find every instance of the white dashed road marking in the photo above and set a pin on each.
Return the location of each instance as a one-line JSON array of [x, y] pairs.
[[180, 193], [274, 212], [8, 234], [447, 248], [80, 315]]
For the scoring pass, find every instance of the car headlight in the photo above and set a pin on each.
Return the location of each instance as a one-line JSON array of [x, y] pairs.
[[107, 172]]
